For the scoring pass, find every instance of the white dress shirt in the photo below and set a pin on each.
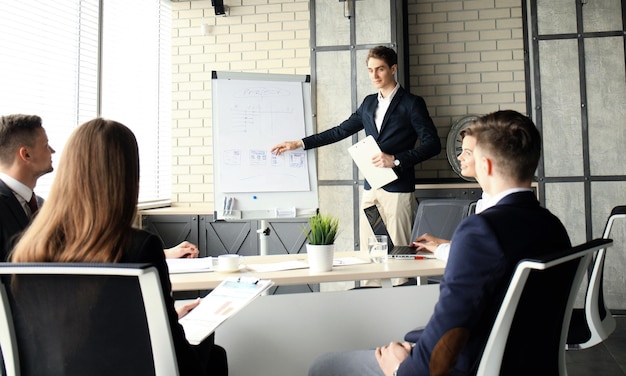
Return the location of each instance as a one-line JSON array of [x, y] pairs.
[[383, 106], [442, 252]]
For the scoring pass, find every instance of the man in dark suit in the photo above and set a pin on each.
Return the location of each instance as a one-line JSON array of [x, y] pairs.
[[396, 119], [24, 156], [484, 251]]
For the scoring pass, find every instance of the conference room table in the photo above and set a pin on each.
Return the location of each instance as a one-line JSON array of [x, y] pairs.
[[281, 334], [394, 268]]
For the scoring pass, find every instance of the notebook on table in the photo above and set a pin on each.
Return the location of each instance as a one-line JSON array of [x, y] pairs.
[[375, 221]]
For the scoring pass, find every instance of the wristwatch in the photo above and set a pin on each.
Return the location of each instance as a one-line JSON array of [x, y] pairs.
[[396, 162], [395, 371]]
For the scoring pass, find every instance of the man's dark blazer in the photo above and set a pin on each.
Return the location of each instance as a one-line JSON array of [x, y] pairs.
[[484, 251], [13, 219], [406, 121]]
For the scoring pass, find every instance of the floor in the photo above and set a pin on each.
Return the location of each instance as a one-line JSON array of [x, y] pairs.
[[606, 359]]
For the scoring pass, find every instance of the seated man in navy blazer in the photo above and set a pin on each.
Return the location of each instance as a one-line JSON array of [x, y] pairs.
[[484, 251]]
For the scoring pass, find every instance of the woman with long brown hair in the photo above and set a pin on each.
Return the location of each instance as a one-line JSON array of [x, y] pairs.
[[88, 217]]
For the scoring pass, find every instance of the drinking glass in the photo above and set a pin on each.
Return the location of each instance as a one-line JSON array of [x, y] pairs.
[[378, 248]]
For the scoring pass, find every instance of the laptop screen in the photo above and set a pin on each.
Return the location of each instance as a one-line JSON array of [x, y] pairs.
[[376, 223]]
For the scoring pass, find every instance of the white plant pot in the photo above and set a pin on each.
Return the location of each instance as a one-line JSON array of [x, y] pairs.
[[320, 257]]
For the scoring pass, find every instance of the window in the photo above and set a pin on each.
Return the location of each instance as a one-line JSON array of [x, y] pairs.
[[58, 62]]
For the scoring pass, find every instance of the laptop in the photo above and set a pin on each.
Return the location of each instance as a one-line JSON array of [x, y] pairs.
[[396, 251]]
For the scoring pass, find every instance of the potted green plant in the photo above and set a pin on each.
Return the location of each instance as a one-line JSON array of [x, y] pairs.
[[321, 235]]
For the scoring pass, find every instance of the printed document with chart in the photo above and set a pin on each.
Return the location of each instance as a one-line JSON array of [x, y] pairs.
[[362, 153], [224, 301]]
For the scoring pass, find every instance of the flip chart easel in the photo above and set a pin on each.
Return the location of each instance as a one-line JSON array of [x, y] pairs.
[[251, 113]]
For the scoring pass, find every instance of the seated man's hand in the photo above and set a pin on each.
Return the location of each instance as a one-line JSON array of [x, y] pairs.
[[427, 242], [389, 357], [183, 250]]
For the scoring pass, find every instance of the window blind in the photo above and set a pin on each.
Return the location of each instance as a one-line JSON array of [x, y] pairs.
[[50, 66]]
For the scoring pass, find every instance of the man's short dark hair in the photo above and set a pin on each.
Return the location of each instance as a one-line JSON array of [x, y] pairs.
[[17, 131], [388, 55], [512, 139]]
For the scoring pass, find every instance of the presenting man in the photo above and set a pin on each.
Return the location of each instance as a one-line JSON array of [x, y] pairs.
[[484, 251], [396, 119]]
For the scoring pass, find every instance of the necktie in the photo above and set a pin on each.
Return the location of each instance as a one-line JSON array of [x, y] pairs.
[[32, 204]]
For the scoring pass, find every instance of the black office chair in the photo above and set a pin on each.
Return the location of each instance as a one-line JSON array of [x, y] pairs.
[[440, 217], [594, 323], [528, 335], [84, 319]]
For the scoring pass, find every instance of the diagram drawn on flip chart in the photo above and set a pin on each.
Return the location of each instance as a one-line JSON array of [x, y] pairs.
[[252, 113]]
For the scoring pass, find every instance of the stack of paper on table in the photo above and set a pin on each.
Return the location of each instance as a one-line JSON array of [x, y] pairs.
[[224, 301], [277, 266], [189, 265]]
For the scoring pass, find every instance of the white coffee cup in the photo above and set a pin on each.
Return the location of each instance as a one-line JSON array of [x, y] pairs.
[[228, 263]]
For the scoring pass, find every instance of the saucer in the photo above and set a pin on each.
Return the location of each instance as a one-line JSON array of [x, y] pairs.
[[219, 270]]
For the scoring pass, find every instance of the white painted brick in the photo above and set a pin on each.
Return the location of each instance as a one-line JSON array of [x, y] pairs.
[[499, 13], [281, 35], [271, 8], [465, 78], [448, 47], [254, 19], [498, 98], [478, 4], [299, 6], [451, 89], [447, 6], [255, 37], [434, 80], [242, 66], [465, 57], [480, 25], [270, 26], [512, 86], [431, 18], [482, 88], [296, 43], [255, 55], [450, 68], [282, 16], [445, 27], [497, 76], [496, 55], [495, 35], [465, 99], [463, 16], [433, 38], [482, 109], [463, 36], [482, 67], [433, 59]]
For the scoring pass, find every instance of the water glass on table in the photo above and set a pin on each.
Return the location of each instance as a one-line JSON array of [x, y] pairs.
[[377, 246]]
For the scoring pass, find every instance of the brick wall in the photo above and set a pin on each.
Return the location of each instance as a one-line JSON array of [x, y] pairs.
[[264, 36], [465, 57]]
